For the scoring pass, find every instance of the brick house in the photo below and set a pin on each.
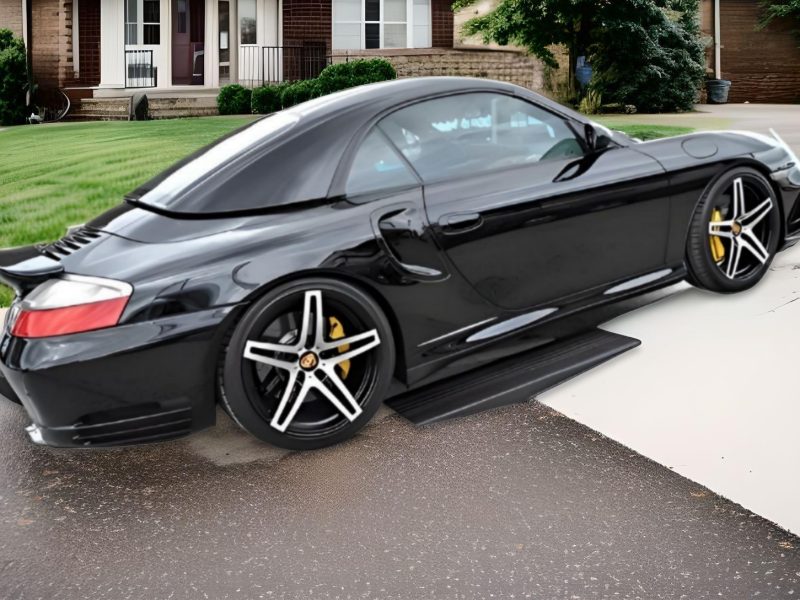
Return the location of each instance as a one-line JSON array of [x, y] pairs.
[[763, 65], [113, 46]]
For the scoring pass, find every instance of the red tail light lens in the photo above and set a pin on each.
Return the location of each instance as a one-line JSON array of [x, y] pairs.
[[71, 304]]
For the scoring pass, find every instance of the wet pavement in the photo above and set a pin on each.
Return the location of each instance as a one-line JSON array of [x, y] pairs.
[[519, 502]]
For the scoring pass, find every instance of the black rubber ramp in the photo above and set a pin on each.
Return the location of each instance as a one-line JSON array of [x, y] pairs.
[[512, 380]]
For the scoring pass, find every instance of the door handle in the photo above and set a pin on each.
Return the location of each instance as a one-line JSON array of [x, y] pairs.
[[460, 222]]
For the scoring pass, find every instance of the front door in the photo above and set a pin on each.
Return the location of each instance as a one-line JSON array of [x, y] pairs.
[[522, 211], [188, 42]]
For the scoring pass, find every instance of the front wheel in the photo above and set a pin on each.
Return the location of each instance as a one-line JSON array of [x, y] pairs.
[[308, 365], [734, 232]]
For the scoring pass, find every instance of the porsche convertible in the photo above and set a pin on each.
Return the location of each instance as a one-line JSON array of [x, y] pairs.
[[366, 244]]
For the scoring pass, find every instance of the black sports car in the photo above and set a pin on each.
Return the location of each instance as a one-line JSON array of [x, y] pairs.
[[325, 258]]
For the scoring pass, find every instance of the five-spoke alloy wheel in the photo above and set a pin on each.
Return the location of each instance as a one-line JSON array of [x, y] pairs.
[[308, 365], [734, 232]]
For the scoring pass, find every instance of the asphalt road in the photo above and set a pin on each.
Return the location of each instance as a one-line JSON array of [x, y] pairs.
[[519, 502]]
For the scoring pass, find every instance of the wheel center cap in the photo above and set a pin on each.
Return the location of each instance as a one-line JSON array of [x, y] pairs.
[[736, 228], [309, 361]]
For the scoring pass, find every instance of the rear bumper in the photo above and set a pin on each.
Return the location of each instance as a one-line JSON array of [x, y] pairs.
[[132, 384]]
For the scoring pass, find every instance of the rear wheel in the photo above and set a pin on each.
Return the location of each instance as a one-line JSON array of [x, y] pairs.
[[308, 365], [734, 233]]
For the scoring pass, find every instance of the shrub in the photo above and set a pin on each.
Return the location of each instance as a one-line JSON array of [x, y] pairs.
[[234, 99], [267, 99], [299, 91], [13, 79], [341, 76], [591, 103]]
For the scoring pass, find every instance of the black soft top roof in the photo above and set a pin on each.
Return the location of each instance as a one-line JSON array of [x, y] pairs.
[[292, 156]]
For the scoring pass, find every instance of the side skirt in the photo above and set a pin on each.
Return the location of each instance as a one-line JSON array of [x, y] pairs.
[[511, 380]]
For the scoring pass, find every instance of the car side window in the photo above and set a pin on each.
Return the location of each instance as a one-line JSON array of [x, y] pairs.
[[477, 132], [377, 166]]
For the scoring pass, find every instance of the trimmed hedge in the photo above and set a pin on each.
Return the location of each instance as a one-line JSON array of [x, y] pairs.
[[13, 79], [342, 76], [267, 99], [333, 78], [234, 99], [298, 92]]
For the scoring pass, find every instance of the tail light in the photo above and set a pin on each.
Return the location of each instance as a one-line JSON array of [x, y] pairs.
[[70, 304]]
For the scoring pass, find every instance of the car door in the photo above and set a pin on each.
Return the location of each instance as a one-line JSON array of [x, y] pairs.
[[522, 211], [381, 180]]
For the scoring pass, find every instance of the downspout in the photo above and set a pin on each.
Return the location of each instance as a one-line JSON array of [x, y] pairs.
[[717, 42]]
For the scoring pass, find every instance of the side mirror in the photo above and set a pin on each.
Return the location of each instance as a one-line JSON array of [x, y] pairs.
[[597, 136]]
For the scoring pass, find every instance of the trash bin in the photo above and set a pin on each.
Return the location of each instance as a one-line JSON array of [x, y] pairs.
[[718, 90], [583, 71]]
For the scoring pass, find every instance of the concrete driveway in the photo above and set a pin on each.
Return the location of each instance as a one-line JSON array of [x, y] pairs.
[[784, 118], [712, 391]]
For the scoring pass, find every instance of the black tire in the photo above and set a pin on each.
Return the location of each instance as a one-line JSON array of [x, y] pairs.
[[731, 274], [252, 392]]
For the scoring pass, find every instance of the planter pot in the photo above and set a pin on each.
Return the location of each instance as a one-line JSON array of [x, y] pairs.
[[718, 90]]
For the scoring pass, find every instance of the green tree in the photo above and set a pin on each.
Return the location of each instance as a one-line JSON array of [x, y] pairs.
[[641, 50], [649, 55], [780, 9], [13, 79]]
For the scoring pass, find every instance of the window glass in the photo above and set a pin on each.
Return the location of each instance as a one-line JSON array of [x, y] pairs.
[[473, 133], [377, 167], [359, 24], [182, 8], [394, 35], [422, 23], [152, 20], [395, 11], [372, 10], [372, 35], [347, 36], [247, 21], [131, 21]]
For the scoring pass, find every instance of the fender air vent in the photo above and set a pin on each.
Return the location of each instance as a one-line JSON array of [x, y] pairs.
[[70, 243]]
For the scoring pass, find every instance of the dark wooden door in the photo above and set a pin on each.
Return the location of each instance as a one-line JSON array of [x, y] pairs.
[[89, 42], [181, 43], [188, 37]]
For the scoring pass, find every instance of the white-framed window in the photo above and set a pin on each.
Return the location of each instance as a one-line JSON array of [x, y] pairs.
[[248, 22], [142, 22], [366, 24]]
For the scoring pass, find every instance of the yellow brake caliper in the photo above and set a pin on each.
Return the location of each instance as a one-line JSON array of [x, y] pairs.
[[717, 247], [336, 333]]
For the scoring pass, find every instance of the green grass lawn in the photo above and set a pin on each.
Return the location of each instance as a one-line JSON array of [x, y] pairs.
[[53, 176], [644, 132]]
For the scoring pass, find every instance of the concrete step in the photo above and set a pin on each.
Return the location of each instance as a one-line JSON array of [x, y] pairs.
[[159, 107], [100, 109], [163, 107]]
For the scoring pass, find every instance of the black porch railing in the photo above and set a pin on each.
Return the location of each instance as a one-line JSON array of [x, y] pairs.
[[265, 65], [140, 72]]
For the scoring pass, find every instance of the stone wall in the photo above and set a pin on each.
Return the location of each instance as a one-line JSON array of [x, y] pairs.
[[504, 65], [11, 16]]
